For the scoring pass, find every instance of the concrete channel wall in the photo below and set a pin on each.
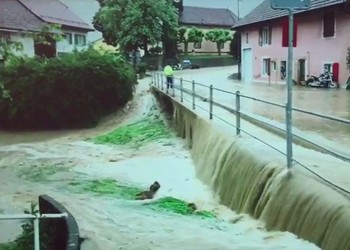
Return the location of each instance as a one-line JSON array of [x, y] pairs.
[[247, 181]]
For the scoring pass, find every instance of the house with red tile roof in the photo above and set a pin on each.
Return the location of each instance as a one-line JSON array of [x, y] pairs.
[[20, 18], [206, 19], [321, 40]]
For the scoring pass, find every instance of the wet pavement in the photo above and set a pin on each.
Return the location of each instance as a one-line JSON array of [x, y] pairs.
[[332, 102]]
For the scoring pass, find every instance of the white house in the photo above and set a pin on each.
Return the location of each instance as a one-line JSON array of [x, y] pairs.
[[19, 19]]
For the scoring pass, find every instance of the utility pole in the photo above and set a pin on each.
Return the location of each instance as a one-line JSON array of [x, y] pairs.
[[238, 9], [291, 6]]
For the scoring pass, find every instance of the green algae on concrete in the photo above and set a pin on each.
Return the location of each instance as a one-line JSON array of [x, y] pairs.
[[136, 134], [120, 191], [170, 204], [107, 187]]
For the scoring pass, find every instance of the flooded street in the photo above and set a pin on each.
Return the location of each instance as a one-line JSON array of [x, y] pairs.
[[51, 163], [332, 102]]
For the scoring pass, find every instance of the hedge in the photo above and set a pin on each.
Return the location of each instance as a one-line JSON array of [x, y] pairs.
[[73, 91]]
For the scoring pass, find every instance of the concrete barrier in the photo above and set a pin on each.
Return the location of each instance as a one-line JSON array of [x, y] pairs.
[[63, 233]]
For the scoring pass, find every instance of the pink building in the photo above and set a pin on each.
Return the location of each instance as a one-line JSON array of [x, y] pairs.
[[321, 38]]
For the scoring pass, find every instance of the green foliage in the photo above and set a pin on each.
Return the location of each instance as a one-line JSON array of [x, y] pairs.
[[219, 37], [49, 33], [177, 206], [135, 23], [136, 134], [187, 36], [107, 187], [155, 50], [121, 191], [348, 59], [235, 45], [72, 91], [25, 241]]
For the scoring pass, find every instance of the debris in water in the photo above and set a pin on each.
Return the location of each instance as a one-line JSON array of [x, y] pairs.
[[146, 195]]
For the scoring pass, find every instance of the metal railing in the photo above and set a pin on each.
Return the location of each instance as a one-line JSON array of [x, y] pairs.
[[35, 218], [158, 80]]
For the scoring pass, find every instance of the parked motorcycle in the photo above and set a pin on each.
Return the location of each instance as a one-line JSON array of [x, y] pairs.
[[325, 80]]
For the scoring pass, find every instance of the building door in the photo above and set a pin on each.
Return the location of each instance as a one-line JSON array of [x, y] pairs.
[[301, 70], [247, 66]]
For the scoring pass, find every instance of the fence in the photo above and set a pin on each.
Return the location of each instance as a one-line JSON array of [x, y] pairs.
[[158, 81], [36, 218]]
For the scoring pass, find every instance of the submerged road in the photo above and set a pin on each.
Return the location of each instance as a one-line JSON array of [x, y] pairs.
[[332, 102]]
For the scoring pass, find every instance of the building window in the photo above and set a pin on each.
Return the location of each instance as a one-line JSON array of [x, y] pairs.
[[266, 67], [283, 70], [274, 66], [69, 38], [4, 37], [79, 40], [328, 67], [222, 45], [246, 37], [197, 45], [329, 24], [265, 36]]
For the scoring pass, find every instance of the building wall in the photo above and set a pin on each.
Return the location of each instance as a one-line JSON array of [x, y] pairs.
[[207, 46], [311, 46], [66, 46], [27, 42]]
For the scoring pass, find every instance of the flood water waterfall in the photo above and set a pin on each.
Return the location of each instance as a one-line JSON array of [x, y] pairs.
[[248, 182]]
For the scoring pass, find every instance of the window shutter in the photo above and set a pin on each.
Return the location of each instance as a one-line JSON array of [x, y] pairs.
[[295, 33], [260, 36], [335, 72], [270, 34], [285, 32]]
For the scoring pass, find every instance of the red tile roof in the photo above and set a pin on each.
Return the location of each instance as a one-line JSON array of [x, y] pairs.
[[14, 16], [53, 11]]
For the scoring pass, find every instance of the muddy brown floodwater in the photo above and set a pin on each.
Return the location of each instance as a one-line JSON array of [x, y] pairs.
[[32, 164]]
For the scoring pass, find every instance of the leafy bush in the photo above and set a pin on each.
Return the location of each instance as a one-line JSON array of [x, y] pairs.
[[72, 91]]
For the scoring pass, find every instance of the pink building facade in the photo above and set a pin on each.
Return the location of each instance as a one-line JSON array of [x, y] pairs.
[[322, 39]]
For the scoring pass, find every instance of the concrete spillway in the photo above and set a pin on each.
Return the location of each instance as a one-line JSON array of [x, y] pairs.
[[247, 181]]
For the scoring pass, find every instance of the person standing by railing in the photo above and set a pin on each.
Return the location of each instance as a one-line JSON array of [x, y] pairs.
[[169, 74]]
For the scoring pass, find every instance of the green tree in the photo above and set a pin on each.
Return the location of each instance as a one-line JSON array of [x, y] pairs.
[[219, 37], [8, 48], [187, 36], [136, 24]]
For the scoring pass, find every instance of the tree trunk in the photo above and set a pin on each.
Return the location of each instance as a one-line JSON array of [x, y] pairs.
[[145, 47], [186, 48], [218, 45]]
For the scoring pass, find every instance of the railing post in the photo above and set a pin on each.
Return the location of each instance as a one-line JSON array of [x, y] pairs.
[[238, 113], [36, 233], [173, 86], [193, 95], [181, 87], [289, 138], [211, 102], [162, 79], [157, 80]]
